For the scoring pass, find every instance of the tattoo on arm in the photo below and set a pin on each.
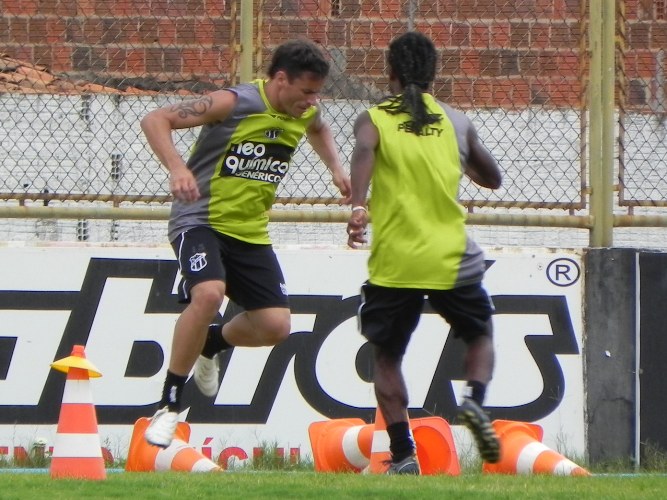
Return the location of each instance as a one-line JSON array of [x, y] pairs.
[[192, 107]]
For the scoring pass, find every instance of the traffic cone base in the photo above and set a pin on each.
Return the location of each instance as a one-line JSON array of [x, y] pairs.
[[77, 468], [178, 456], [436, 450]]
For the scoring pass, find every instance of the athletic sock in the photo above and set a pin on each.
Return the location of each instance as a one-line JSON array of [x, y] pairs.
[[215, 342], [476, 391], [172, 391], [401, 444]]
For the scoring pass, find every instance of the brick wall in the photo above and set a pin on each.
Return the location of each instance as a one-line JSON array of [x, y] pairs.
[[492, 52], [645, 35]]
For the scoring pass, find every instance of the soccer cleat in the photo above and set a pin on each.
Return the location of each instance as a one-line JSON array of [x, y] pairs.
[[474, 418], [206, 375], [409, 465], [160, 432]]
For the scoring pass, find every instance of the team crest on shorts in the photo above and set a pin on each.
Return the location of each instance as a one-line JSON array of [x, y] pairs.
[[198, 261]]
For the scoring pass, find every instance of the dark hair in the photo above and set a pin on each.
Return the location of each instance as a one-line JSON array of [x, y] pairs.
[[297, 57], [412, 59]]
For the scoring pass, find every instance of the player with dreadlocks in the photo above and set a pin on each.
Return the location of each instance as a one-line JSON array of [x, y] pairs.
[[414, 66], [411, 151]]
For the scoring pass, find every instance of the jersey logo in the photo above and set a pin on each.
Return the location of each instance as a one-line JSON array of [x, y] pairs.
[[272, 133], [409, 126], [257, 161]]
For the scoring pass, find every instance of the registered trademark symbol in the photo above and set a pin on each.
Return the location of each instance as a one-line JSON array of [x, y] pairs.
[[563, 272]]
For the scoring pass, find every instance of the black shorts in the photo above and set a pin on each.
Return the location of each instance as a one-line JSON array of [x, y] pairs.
[[251, 272], [388, 316]]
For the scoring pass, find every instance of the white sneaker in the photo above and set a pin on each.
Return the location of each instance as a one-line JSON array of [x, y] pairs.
[[161, 430], [206, 375]]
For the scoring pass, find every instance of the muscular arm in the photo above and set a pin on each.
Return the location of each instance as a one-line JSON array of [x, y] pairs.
[[482, 167], [321, 139], [157, 126], [361, 171]]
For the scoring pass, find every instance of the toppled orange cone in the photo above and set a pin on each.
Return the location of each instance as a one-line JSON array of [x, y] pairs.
[[341, 445], [436, 450], [178, 456], [522, 452], [349, 445]]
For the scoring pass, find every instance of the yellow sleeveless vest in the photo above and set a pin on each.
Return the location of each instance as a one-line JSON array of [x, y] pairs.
[[418, 225]]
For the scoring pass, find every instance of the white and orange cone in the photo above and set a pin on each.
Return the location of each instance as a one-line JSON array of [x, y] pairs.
[[341, 445], [522, 452], [178, 456], [77, 451], [349, 445]]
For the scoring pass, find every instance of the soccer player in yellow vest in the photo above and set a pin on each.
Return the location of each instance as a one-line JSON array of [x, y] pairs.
[[412, 151], [219, 216]]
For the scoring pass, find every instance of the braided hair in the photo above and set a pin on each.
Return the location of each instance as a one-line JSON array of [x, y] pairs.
[[412, 59]]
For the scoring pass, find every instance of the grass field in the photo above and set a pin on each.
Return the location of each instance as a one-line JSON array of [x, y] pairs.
[[287, 485]]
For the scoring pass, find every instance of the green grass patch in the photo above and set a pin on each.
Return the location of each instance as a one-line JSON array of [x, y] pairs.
[[272, 474], [273, 458], [285, 484]]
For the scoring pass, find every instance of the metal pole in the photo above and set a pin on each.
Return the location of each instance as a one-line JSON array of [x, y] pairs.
[[660, 104], [608, 121], [595, 115], [161, 213], [246, 69], [412, 10], [601, 92]]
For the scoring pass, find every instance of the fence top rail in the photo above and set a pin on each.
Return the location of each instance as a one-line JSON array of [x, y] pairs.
[[161, 213]]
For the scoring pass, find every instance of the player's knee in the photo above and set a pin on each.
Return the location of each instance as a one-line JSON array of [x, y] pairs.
[[277, 330], [208, 297]]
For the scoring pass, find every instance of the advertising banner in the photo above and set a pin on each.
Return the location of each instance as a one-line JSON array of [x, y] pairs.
[[120, 303]]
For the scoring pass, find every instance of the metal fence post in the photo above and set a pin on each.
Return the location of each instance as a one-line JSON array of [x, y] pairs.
[[601, 131], [247, 49]]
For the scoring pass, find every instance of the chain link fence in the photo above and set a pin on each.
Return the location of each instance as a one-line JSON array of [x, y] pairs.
[[642, 103], [76, 76]]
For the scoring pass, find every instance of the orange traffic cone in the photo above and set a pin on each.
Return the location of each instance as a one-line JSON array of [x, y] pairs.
[[77, 451], [436, 450], [347, 445], [522, 452], [341, 445], [178, 456]]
